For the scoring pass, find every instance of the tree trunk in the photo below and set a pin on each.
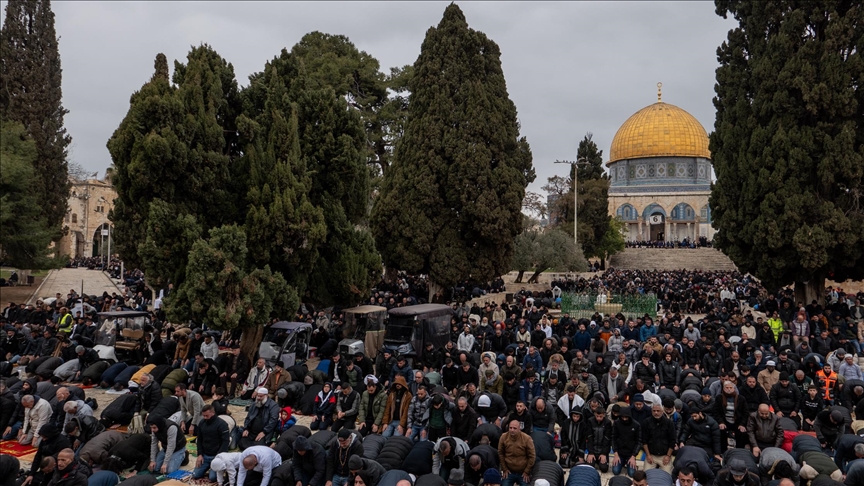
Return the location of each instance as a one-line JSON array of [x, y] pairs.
[[249, 341], [813, 289], [434, 288], [519, 277], [535, 275], [390, 274]]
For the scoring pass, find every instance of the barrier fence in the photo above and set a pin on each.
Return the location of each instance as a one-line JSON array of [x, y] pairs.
[[585, 304]]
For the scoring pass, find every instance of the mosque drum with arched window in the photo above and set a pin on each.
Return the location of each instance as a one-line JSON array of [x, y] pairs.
[[660, 175]]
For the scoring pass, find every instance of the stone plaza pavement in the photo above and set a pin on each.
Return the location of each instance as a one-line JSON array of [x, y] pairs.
[[94, 282]]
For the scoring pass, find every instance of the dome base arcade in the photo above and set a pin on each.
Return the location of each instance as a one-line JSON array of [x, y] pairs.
[[660, 175]]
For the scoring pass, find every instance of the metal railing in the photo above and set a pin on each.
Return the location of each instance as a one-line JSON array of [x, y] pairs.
[[585, 304]]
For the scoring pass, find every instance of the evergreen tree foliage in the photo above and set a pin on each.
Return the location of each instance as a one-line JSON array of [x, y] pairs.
[[222, 289], [30, 94], [450, 204], [25, 235], [590, 159], [332, 168], [594, 219], [787, 142], [172, 147], [284, 229], [333, 61]]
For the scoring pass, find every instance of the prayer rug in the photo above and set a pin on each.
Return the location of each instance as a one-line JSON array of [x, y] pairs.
[[14, 449]]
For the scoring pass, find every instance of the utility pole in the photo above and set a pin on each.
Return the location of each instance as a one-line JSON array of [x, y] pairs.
[[575, 164]]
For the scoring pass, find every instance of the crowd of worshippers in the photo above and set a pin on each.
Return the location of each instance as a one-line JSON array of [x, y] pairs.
[[517, 396], [701, 242]]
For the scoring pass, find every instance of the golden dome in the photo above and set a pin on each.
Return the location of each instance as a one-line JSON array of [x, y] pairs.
[[659, 130]]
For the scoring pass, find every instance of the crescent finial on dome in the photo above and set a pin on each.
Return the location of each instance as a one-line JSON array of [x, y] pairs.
[[659, 92]]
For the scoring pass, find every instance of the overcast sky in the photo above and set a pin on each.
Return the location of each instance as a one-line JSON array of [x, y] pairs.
[[571, 68]]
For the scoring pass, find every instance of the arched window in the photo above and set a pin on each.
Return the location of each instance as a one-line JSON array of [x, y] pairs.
[[683, 212], [705, 213], [626, 212]]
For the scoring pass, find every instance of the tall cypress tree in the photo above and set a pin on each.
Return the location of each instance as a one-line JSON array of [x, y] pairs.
[[450, 204], [30, 94], [331, 167], [593, 190], [788, 142], [175, 148], [284, 229]]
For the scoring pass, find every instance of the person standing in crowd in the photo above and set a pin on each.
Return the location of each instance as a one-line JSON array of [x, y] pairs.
[[396, 411], [516, 455], [347, 408], [659, 439], [212, 439], [764, 430]]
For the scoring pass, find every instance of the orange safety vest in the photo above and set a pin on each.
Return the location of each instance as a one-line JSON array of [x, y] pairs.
[[827, 383]]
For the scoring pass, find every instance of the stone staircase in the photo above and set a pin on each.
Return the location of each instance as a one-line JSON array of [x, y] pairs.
[[671, 259]]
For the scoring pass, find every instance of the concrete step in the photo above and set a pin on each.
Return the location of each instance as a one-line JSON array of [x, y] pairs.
[[672, 259]]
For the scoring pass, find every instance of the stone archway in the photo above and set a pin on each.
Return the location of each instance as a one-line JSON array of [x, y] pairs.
[[655, 217]]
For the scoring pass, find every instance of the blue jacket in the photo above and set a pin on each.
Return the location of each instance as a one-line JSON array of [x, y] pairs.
[[646, 332], [526, 388], [582, 340], [535, 360]]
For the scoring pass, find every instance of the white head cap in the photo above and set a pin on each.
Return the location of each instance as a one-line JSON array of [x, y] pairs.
[[217, 464], [263, 391]]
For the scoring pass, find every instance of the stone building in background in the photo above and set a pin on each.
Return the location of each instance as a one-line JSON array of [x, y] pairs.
[[86, 217], [660, 175]]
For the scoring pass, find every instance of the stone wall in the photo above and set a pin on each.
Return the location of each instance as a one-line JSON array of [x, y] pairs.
[[86, 217]]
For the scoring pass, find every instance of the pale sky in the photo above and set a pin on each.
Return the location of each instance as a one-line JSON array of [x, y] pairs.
[[570, 67]]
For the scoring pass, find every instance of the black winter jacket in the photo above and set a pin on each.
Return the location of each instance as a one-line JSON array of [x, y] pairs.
[[626, 438], [313, 463], [785, 399], [337, 457], [659, 435], [212, 436], [704, 434], [599, 439]]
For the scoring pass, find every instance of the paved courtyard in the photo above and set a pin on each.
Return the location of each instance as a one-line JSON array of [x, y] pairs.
[[94, 282]]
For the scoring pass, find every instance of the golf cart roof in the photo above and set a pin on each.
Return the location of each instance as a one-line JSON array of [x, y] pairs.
[[365, 309], [416, 310], [122, 314], [291, 326]]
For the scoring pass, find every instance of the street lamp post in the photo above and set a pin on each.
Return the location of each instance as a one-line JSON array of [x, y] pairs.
[[575, 164]]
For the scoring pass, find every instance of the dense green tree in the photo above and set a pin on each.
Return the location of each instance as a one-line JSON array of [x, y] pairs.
[[541, 251], [333, 61], [450, 204], [25, 235], [176, 144], [168, 236], [787, 144], [284, 229], [333, 152], [31, 94], [594, 219], [224, 290]]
